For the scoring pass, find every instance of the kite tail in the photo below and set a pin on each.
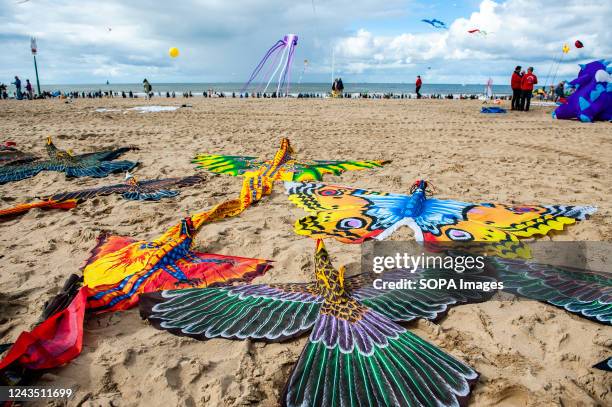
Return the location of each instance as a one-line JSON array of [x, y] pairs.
[[272, 49], [373, 361], [17, 210]]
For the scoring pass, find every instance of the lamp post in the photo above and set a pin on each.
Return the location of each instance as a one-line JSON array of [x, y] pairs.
[[34, 48]]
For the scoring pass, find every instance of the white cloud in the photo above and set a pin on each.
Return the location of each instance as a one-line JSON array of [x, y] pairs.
[[527, 32], [222, 40]]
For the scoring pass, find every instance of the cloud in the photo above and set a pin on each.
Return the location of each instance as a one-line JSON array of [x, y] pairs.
[[530, 32], [222, 40]]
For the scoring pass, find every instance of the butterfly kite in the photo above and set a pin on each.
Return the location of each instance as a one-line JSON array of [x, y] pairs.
[[436, 23], [357, 354], [353, 215], [259, 175], [98, 164]]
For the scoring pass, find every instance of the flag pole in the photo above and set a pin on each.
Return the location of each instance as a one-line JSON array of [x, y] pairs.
[[34, 49]]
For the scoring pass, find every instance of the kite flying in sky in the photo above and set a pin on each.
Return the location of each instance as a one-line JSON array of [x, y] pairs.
[[478, 31], [435, 23]]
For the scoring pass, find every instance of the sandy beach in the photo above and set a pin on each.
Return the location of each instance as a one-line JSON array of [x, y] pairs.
[[527, 353]]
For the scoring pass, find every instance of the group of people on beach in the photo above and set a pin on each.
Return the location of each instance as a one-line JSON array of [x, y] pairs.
[[337, 88], [522, 84], [19, 93]]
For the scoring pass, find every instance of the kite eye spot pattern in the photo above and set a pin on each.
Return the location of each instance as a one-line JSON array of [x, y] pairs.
[[459, 235], [351, 223], [523, 209], [331, 192]]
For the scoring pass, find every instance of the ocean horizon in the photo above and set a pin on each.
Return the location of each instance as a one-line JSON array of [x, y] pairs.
[[307, 87]]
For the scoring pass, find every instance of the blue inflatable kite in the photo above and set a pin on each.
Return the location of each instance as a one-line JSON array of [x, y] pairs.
[[592, 98]]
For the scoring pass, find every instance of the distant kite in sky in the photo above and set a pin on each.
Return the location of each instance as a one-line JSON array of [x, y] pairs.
[[436, 23], [478, 31], [280, 68], [579, 44]]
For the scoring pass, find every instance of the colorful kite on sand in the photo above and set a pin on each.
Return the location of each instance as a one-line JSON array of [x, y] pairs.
[[592, 99], [97, 165], [352, 340], [9, 154], [132, 189], [357, 353], [259, 175], [353, 215], [119, 270], [281, 57], [122, 268]]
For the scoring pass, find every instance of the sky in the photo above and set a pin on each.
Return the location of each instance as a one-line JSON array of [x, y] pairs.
[[87, 42]]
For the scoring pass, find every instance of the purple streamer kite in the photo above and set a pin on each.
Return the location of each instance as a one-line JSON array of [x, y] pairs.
[[282, 55]]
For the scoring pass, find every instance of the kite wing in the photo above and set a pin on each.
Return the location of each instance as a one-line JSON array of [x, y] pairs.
[[604, 365], [314, 170], [582, 292], [54, 342], [227, 164], [411, 303], [10, 155], [99, 164], [20, 171], [85, 194], [47, 204], [348, 214], [500, 225], [368, 360], [271, 312], [154, 190], [115, 258], [106, 155], [192, 270]]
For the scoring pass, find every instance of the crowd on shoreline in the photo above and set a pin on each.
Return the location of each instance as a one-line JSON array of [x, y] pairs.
[[337, 91]]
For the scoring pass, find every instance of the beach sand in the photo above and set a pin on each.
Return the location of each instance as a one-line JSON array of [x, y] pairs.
[[527, 353]]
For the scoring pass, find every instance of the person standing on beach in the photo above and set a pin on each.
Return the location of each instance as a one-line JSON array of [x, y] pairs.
[[17, 84], [527, 83], [340, 88], [418, 85], [559, 91], [147, 88], [29, 89], [334, 87], [515, 84]]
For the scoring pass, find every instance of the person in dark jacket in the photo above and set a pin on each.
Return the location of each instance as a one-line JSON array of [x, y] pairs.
[[17, 84], [515, 84], [340, 88]]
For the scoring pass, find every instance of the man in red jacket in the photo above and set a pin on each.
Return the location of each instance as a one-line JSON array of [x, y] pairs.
[[418, 85], [515, 84], [529, 79]]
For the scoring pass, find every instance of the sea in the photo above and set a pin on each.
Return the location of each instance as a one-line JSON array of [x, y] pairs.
[[305, 88]]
